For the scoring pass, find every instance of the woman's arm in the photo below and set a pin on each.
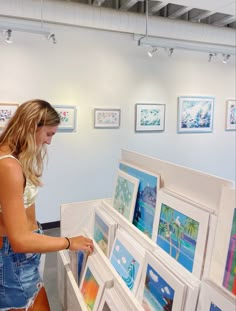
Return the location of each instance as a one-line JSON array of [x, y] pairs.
[[15, 218]]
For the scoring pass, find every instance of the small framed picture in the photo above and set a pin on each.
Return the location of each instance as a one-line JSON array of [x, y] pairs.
[[6, 112], [149, 117], [68, 118], [106, 118], [195, 114], [230, 115]]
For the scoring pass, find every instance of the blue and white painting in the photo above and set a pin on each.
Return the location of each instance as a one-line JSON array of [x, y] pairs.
[[101, 231], [146, 198], [214, 307], [158, 295], [196, 114], [124, 263]]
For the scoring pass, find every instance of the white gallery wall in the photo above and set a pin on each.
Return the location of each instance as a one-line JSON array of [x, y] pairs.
[[89, 68]]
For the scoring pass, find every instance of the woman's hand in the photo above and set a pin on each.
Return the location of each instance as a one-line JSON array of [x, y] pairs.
[[81, 243]]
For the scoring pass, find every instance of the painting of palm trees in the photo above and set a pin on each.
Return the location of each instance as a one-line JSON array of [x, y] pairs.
[[177, 235]]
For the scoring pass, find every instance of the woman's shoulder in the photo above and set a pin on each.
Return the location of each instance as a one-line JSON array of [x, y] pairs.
[[9, 163]]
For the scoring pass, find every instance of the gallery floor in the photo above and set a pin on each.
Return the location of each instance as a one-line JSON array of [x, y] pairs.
[[50, 275]]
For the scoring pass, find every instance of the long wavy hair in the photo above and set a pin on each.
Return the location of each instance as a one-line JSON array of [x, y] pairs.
[[20, 136]]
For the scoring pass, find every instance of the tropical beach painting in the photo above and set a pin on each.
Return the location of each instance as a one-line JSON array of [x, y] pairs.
[[125, 194], [89, 289], [146, 198], [125, 264], [195, 114], [158, 294], [230, 268], [177, 235]]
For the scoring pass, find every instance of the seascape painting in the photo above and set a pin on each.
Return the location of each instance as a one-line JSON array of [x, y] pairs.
[[231, 115], [195, 114], [124, 263], [230, 268], [146, 197], [125, 194], [149, 117], [158, 295], [177, 235], [214, 307], [100, 235], [89, 289]]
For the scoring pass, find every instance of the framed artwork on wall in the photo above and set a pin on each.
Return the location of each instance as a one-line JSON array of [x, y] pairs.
[[125, 194], [230, 115], [106, 118], [68, 118], [6, 112], [159, 289], [149, 117], [181, 230], [195, 114], [145, 206]]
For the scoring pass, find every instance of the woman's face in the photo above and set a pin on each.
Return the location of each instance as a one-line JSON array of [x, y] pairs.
[[44, 135]]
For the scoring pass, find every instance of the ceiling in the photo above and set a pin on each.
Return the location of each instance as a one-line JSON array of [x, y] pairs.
[[221, 13]]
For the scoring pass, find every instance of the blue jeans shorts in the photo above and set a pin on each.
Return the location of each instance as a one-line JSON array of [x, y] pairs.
[[20, 281]]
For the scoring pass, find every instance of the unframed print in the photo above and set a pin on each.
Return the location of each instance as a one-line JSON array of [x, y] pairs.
[[145, 206], [127, 258], [195, 114], [212, 298], [125, 194], [231, 115], [180, 229], [159, 289]]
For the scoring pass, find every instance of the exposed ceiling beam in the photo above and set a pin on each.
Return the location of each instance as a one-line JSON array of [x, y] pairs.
[[225, 21], [201, 16], [156, 7], [180, 12], [128, 4]]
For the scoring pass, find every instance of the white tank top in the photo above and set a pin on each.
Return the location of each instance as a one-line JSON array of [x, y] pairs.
[[30, 192]]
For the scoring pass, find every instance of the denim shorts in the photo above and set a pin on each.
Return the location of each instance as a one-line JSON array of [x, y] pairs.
[[20, 280]]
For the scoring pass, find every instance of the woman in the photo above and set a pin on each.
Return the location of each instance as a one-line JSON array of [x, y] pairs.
[[22, 150]]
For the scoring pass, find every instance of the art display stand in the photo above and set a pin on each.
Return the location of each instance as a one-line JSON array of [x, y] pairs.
[[207, 193]]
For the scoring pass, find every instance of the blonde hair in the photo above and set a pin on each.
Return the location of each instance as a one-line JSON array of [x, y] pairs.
[[20, 136]]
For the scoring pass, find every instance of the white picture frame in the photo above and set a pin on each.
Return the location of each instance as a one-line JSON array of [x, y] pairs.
[[127, 258], [111, 301], [103, 230], [230, 122], [7, 110], [67, 117], [181, 229], [92, 284], [213, 298], [78, 261], [159, 288], [125, 194], [222, 265], [195, 114], [149, 117], [145, 207]]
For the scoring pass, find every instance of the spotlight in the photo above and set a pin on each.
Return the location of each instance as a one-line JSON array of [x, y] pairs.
[[225, 58], [211, 55], [153, 50], [8, 36], [170, 52], [52, 37]]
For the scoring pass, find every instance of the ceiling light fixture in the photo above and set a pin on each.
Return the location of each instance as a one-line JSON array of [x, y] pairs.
[[225, 58], [170, 52], [152, 51], [52, 38], [8, 36]]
